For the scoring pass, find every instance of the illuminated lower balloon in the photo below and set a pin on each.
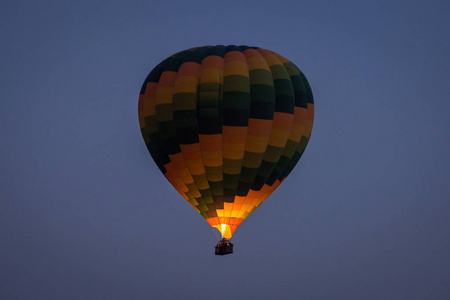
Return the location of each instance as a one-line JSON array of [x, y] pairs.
[[226, 125]]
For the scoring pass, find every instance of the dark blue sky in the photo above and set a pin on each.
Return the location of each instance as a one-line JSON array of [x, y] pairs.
[[85, 214]]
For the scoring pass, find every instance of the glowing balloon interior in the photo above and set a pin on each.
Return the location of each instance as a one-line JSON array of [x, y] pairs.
[[226, 125]]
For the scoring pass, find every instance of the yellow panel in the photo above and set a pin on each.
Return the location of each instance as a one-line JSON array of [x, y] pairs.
[[179, 182], [215, 177], [256, 144], [258, 202], [278, 138], [272, 60], [193, 201], [243, 209], [235, 214], [148, 107], [196, 166], [202, 183], [186, 84], [227, 208], [281, 58], [235, 68], [212, 158], [188, 179], [257, 62], [211, 75], [296, 132], [219, 213], [232, 170], [196, 194], [184, 172], [164, 95], [233, 151]]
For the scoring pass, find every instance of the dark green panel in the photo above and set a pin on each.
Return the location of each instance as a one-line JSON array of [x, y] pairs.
[[279, 72], [230, 181], [308, 89], [235, 117], [236, 100], [260, 77], [187, 135], [184, 101], [185, 118], [262, 93], [248, 174], [283, 87], [238, 83]]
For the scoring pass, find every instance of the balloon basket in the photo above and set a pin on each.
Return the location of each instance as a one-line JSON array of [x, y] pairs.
[[223, 247]]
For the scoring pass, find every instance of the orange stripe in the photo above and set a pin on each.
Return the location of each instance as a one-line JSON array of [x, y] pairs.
[[176, 157], [234, 134], [310, 111], [249, 53], [188, 69], [179, 165], [259, 127], [282, 121], [251, 193], [212, 61], [264, 52], [300, 115], [150, 89], [210, 142], [191, 156], [281, 58], [190, 148], [235, 56], [167, 78]]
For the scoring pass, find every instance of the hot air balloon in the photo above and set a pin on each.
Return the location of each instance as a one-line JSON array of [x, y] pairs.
[[226, 125]]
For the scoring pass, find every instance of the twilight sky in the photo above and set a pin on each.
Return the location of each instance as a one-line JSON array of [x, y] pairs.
[[85, 213]]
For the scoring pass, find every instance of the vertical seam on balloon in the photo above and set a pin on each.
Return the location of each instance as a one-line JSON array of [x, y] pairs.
[[200, 144], [298, 144], [243, 207], [300, 148], [181, 150], [159, 130], [173, 123], [227, 219], [245, 143], [310, 110], [197, 127], [246, 152], [260, 196]]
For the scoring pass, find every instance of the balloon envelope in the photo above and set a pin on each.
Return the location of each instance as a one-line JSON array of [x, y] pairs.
[[226, 125]]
